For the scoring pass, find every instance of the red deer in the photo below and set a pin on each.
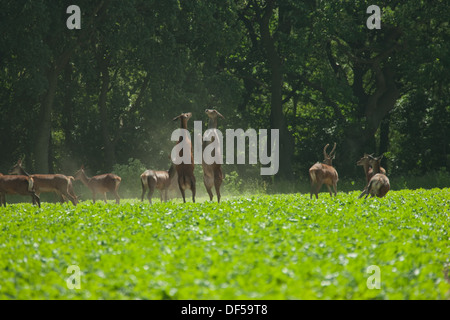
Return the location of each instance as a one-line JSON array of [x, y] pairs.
[[321, 173], [102, 183], [185, 171], [212, 173], [379, 183], [58, 183], [22, 185], [368, 171], [161, 180]]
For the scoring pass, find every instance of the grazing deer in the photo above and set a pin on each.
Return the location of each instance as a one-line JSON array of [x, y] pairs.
[[212, 173], [321, 173], [185, 171], [379, 183], [161, 180], [58, 183], [102, 183], [22, 185], [368, 171]]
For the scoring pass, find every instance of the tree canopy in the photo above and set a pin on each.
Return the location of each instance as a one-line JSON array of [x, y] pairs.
[[107, 92]]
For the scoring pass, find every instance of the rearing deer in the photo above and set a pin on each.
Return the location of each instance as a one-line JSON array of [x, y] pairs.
[[321, 173], [379, 183], [185, 171], [102, 183], [368, 171], [58, 183], [212, 173]]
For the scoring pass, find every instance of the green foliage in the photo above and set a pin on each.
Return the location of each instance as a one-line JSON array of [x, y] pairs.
[[247, 247], [130, 186], [156, 59]]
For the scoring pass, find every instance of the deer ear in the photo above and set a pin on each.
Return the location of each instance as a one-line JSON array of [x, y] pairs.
[[218, 113], [176, 117]]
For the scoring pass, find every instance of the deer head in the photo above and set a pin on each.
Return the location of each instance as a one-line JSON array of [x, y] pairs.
[[328, 157], [184, 117], [213, 113]]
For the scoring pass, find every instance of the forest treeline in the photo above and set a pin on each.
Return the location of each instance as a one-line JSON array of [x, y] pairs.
[[108, 92]]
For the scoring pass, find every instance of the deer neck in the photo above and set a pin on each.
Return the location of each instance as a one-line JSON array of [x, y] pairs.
[[183, 124], [366, 169], [84, 178], [212, 124], [23, 172], [376, 167]]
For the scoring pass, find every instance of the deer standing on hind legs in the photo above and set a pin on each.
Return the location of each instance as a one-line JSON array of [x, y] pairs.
[[102, 183], [368, 171], [379, 183], [161, 180], [321, 173], [212, 173], [58, 183], [185, 171]]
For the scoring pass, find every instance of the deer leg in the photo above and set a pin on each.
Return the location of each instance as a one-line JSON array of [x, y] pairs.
[[116, 194], [208, 181], [143, 191], [335, 189], [104, 197], [217, 184], [210, 193], [193, 188], [329, 190], [35, 199], [180, 185], [318, 186], [62, 199], [150, 194], [38, 200], [93, 196], [313, 187]]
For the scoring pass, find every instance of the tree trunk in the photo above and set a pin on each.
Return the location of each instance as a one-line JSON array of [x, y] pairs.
[[277, 118], [41, 147], [384, 139], [108, 144]]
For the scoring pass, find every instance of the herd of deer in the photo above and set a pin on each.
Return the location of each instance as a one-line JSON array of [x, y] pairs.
[[20, 182], [324, 173]]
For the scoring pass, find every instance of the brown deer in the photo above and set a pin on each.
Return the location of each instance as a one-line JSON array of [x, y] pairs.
[[368, 171], [212, 173], [321, 173], [102, 183], [13, 184], [58, 183], [379, 183], [185, 171], [161, 180]]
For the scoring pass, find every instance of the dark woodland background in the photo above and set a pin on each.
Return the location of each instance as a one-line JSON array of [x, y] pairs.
[[105, 96]]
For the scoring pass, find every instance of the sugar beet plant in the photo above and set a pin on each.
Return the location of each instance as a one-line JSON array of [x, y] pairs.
[[257, 247]]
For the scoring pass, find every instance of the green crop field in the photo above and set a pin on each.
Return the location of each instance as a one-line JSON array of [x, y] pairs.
[[256, 247]]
